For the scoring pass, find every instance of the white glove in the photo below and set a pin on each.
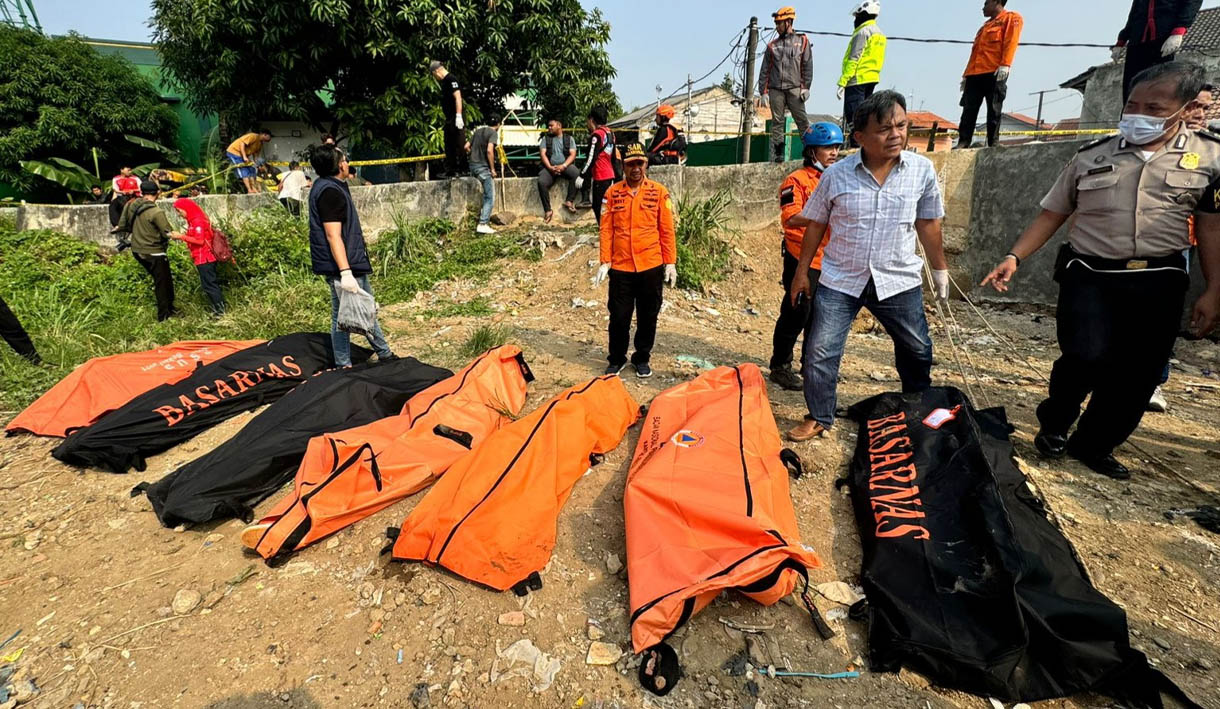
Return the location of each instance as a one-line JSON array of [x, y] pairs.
[[766, 99], [961, 88], [348, 282], [1116, 53], [1171, 45], [839, 93], [940, 280], [1002, 73], [580, 182], [457, 121], [804, 95], [602, 271], [671, 274]]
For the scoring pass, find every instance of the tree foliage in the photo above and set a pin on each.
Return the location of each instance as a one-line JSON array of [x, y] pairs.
[[58, 97], [284, 59]]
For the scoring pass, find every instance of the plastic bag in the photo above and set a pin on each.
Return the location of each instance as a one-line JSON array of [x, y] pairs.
[[357, 312]]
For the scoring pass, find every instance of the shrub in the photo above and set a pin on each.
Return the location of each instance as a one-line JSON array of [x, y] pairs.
[[703, 249]]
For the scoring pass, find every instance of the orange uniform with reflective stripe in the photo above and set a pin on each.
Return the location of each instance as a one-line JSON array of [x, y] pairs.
[[996, 44], [795, 190], [637, 230]]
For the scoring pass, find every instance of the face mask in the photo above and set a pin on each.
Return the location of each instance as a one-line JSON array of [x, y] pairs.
[[1140, 130]]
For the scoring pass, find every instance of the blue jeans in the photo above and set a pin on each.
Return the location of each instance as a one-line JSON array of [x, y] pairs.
[[483, 173], [902, 317], [340, 341]]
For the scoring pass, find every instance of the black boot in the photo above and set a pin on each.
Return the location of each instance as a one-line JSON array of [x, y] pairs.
[[787, 379]]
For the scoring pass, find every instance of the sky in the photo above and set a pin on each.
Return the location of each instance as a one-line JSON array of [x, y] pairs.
[[662, 42]]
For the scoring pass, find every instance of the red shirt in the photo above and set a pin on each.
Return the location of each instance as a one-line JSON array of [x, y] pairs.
[[603, 168], [126, 185]]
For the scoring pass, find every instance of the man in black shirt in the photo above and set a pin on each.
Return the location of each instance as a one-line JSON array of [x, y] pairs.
[[336, 246], [454, 130]]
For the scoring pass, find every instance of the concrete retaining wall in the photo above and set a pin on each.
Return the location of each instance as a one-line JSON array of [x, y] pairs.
[[990, 196]]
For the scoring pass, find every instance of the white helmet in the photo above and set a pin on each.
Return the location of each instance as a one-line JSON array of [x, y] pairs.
[[872, 7]]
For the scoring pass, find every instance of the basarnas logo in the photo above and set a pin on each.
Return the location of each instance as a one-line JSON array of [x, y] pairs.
[[687, 439]]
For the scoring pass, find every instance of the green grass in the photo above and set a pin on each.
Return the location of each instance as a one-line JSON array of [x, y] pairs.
[[78, 302], [484, 338], [703, 234], [477, 308]]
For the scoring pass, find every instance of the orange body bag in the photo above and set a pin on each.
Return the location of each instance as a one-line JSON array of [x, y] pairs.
[[491, 519], [349, 475]]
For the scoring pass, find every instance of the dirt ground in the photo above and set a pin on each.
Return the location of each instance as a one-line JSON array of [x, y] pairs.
[[88, 575]]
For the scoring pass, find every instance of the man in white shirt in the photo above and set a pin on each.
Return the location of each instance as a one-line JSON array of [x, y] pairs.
[[292, 188], [875, 203]]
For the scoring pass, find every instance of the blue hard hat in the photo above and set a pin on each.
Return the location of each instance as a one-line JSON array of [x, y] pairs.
[[824, 133]]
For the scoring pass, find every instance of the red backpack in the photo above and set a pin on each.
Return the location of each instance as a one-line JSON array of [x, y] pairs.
[[220, 246]]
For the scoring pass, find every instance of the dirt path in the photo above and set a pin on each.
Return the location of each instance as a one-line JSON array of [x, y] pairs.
[[89, 576]]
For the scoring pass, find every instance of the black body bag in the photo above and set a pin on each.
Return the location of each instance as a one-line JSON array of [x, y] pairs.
[[967, 581], [161, 418], [265, 454]]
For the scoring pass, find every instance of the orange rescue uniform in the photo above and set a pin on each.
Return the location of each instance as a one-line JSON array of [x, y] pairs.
[[793, 193], [995, 45], [637, 230]]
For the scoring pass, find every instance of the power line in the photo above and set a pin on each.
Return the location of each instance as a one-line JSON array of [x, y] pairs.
[[926, 40]]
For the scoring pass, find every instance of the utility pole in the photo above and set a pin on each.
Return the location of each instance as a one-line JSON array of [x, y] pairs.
[[747, 104], [1040, 94]]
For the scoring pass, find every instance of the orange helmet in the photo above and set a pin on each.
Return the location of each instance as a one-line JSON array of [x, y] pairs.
[[665, 110], [784, 13]]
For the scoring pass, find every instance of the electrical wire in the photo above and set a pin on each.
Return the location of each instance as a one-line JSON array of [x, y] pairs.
[[926, 40]]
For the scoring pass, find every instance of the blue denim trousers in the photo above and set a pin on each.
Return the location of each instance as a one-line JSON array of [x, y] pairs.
[[902, 317], [483, 173], [340, 341]]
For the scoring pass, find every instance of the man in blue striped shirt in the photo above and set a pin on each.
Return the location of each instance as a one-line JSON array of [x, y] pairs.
[[876, 203]]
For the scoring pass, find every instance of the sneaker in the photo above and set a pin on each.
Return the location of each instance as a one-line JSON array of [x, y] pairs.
[[485, 229], [1158, 403], [805, 430], [785, 378], [643, 371], [614, 369]]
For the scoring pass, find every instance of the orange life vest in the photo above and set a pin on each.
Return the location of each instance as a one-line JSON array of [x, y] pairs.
[[707, 504], [491, 519], [349, 475], [104, 384]]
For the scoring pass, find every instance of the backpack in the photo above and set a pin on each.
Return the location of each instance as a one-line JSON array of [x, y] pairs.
[[220, 246], [567, 145]]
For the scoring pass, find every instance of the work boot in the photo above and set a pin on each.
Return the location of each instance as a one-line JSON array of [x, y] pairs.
[[1107, 465], [806, 430], [786, 378], [1050, 445], [1158, 403]]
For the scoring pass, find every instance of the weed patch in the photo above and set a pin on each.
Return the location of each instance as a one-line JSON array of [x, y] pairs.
[[703, 234]]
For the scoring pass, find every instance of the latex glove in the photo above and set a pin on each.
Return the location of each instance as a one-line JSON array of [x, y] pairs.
[[766, 99], [1171, 45], [1002, 73], [804, 95], [839, 93], [602, 271], [580, 182], [940, 280], [348, 282], [457, 121], [961, 87], [1116, 53], [671, 274]]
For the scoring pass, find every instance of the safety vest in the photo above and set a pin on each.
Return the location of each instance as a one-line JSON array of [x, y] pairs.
[[666, 146], [865, 55]]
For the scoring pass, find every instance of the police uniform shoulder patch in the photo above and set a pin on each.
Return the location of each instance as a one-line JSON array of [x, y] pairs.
[[1095, 143]]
